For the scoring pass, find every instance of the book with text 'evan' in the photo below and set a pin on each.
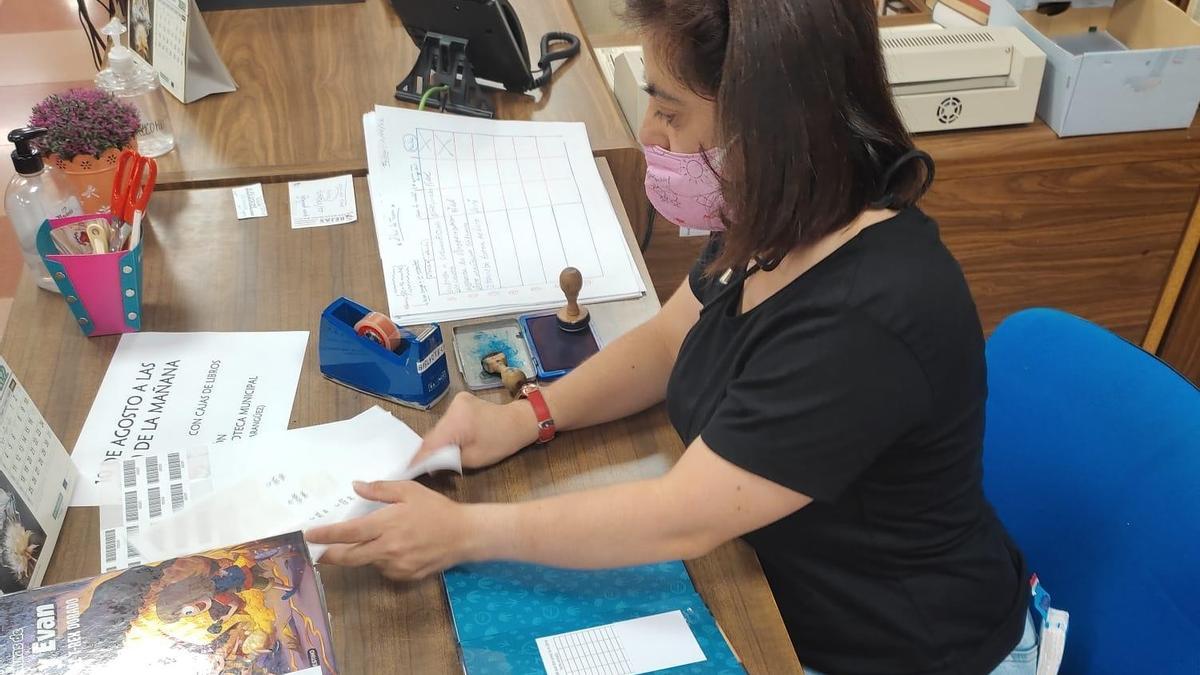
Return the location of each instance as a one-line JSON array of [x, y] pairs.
[[255, 608]]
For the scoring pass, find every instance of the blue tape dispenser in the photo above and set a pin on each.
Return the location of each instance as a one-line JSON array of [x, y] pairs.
[[365, 351]]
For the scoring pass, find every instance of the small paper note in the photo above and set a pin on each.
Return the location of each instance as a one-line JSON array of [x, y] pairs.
[[328, 201], [628, 647], [248, 201], [693, 232]]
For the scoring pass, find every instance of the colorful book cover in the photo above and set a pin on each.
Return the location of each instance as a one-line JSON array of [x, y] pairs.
[[501, 609], [254, 609]]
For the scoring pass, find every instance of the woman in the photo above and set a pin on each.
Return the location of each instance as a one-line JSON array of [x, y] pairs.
[[823, 363]]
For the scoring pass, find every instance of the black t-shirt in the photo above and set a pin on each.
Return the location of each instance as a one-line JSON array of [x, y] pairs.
[[862, 385]]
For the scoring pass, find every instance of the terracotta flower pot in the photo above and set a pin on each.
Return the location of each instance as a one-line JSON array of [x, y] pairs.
[[92, 177]]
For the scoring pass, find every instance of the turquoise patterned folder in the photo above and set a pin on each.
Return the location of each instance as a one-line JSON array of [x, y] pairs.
[[500, 609]]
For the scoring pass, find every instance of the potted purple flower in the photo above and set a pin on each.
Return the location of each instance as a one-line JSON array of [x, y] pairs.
[[88, 130]]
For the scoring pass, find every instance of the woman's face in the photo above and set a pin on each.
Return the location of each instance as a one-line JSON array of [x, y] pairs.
[[677, 118]]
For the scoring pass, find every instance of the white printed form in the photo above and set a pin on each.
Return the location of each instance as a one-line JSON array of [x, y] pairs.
[[623, 648], [327, 201], [174, 391], [248, 202], [478, 217]]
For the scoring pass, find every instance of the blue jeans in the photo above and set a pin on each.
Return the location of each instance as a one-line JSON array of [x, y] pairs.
[[1021, 661]]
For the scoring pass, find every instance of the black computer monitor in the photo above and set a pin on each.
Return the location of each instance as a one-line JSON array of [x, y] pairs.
[[496, 46]]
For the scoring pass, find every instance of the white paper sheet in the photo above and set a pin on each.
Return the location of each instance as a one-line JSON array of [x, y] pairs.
[[150, 487], [478, 217], [248, 201], [173, 391], [327, 201], [630, 647], [290, 481]]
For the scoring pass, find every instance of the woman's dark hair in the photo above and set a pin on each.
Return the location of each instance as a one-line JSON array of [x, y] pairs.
[[804, 113]]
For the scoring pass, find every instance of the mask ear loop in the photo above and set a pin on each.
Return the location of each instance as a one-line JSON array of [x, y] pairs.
[[765, 265], [889, 197]]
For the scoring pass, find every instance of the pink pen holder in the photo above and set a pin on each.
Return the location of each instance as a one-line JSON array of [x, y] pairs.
[[102, 290]]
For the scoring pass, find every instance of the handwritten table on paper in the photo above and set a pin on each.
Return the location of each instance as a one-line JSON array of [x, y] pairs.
[[478, 217]]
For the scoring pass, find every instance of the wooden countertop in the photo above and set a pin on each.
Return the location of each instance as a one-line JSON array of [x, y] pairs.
[[1035, 146], [306, 75], [204, 270]]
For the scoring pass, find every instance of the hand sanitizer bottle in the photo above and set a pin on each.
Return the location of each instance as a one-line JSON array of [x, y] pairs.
[[128, 79], [36, 193]]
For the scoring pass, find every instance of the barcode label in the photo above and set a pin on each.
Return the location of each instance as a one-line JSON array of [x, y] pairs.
[[174, 466], [131, 510], [176, 497], [155, 498], [130, 533], [152, 470], [130, 473], [110, 546]]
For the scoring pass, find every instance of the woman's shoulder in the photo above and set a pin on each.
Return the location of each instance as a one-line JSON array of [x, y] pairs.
[[896, 277], [909, 283]]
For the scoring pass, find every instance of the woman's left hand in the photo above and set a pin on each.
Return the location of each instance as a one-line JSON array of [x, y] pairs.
[[418, 533]]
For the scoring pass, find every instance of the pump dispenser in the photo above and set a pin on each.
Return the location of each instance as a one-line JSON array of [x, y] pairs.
[[131, 80], [33, 195]]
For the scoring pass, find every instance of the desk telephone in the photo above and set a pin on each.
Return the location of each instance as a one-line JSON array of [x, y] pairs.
[[468, 43]]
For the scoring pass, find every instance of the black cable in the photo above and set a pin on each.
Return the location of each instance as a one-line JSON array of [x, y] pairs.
[[96, 42], [649, 232], [549, 57]]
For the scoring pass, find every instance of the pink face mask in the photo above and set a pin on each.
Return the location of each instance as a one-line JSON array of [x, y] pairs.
[[683, 188]]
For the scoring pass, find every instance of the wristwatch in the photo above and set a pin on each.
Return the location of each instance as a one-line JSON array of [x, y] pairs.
[[532, 393]]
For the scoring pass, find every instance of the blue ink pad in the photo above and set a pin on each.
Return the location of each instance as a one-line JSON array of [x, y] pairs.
[[555, 351], [475, 341]]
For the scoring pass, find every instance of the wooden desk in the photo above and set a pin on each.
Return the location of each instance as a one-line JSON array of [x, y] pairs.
[[306, 75], [204, 270], [1090, 225]]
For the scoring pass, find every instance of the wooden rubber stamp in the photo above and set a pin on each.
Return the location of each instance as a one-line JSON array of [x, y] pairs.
[[496, 363], [573, 318]]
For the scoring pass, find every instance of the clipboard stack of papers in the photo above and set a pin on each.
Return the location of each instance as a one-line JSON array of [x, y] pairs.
[[478, 217]]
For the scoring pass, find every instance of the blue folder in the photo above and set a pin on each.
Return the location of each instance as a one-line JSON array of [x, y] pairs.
[[500, 609]]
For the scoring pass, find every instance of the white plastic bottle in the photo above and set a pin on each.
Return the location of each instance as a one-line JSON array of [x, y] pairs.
[[133, 81], [36, 193]]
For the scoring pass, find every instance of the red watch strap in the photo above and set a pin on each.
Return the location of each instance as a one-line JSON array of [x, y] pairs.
[[546, 428]]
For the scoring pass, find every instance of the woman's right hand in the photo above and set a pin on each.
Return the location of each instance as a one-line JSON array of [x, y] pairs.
[[485, 432]]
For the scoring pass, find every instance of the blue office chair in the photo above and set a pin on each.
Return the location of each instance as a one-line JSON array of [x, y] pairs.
[[1092, 460]]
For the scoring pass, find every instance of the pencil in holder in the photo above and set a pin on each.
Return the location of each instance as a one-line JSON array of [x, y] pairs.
[[103, 291]]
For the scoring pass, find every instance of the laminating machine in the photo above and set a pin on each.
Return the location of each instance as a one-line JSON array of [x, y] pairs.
[[963, 79]]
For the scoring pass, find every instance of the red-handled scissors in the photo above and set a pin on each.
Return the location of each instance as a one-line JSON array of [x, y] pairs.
[[130, 194]]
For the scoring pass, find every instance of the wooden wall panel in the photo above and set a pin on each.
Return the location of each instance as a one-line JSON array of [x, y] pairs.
[[1096, 242], [1182, 346], [670, 256], [1181, 343]]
